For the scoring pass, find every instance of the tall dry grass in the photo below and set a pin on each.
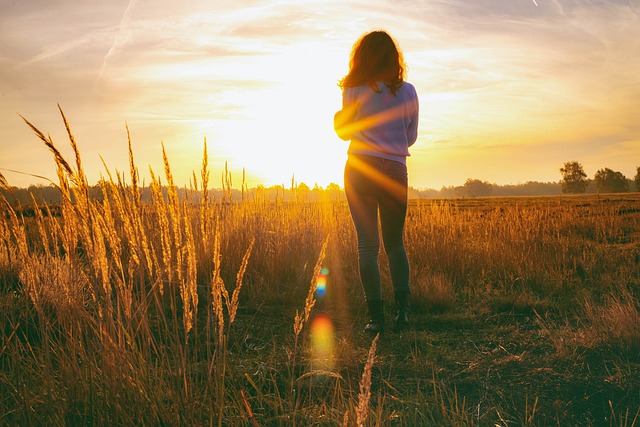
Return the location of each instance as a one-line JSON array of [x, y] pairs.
[[120, 311], [137, 291]]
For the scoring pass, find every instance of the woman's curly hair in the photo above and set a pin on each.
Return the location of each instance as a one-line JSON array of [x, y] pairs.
[[375, 57]]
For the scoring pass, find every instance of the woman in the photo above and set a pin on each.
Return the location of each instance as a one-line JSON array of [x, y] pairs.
[[379, 117]]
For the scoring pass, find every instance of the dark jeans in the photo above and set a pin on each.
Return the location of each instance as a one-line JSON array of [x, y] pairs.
[[375, 184]]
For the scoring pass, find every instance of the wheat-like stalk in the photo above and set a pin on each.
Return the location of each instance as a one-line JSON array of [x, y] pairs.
[[125, 213], [4, 184], [233, 307], [100, 260], [173, 208], [302, 318], [44, 235], [163, 223], [362, 411], [109, 228], [69, 236], [59, 159], [27, 273], [5, 234], [114, 241], [227, 185], [133, 171], [79, 178], [189, 286], [136, 211], [204, 203], [217, 286]]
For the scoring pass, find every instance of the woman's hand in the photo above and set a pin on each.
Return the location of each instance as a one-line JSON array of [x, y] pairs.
[[343, 122]]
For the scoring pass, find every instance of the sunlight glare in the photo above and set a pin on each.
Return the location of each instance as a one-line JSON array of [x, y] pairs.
[[321, 283], [285, 127], [322, 343]]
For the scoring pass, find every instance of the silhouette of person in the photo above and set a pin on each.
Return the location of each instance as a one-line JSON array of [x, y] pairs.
[[379, 117]]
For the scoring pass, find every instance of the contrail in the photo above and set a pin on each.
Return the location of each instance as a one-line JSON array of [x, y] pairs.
[[535, 2], [55, 51], [117, 39]]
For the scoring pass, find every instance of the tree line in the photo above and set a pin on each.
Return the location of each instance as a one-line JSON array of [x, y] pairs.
[[575, 180], [51, 195]]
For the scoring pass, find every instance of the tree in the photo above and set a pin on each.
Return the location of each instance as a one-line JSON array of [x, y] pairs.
[[608, 181], [334, 192], [637, 178], [302, 192], [574, 180], [475, 188]]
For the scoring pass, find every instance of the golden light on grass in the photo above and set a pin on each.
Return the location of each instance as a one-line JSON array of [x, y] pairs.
[[321, 283], [302, 318], [322, 343]]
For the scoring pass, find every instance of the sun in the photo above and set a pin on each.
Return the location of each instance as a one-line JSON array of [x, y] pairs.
[[285, 126]]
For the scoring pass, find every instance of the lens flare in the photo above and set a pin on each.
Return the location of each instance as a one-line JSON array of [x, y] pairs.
[[322, 343], [321, 282]]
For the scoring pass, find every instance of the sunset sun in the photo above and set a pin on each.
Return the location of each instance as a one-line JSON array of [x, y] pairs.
[[286, 127]]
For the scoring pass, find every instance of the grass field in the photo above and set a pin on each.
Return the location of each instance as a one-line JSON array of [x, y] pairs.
[[201, 310]]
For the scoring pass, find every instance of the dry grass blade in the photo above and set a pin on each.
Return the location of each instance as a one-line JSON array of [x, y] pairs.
[[70, 234], [171, 187], [4, 185], [27, 174], [163, 224], [173, 208], [320, 373], [205, 171], [217, 286], [81, 178], [362, 411], [3, 182], [134, 220], [248, 408], [233, 307], [188, 288], [133, 171], [49, 143], [44, 235], [204, 203], [106, 169], [302, 318], [102, 268], [193, 183]]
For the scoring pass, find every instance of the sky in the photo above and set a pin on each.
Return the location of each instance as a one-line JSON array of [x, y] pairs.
[[509, 90]]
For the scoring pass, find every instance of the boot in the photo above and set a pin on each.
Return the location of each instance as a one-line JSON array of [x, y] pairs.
[[376, 316], [402, 305]]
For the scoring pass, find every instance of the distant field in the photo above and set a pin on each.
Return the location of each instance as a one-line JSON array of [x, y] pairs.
[[526, 311]]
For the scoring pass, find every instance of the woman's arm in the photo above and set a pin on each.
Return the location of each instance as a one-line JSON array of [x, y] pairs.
[[343, 122], [412, 130]]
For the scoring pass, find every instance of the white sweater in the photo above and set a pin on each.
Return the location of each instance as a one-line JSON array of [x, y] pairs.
[[384, 125]]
